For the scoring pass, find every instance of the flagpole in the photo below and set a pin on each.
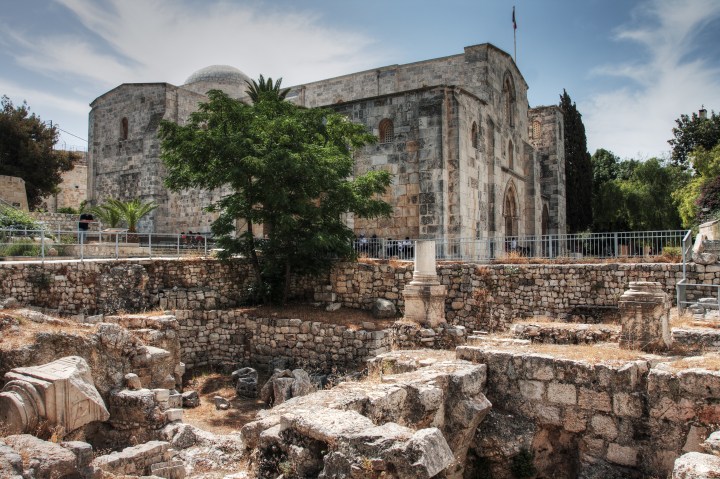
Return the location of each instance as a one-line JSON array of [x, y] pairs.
[[514, 34]]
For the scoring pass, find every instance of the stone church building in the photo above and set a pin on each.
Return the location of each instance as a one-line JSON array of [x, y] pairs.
[[470, 159]]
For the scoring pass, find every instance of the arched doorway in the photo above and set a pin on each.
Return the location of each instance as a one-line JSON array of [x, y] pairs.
[[510, 215]]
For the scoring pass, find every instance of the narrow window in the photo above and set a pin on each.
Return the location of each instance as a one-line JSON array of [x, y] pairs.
[[511, 160], [474, 135], [124, 129], [491, 140], [387, 132]]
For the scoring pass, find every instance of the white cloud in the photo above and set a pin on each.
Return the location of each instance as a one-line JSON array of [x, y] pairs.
[[638, 119], [164, 40]]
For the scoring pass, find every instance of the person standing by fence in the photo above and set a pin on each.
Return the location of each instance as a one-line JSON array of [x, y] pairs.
[[83, 226]]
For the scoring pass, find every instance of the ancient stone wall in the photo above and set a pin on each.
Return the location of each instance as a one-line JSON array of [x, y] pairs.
[[231, 338], [72, 188], [618, 414], [486, 297]]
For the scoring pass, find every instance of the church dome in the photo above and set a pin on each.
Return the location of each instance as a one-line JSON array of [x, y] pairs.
[[222, 77], [218, 74]]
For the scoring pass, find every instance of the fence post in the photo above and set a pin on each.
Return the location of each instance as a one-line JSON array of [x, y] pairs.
[[178, 245], [150, 244], [205, 238], [617, 246], [42, 243]]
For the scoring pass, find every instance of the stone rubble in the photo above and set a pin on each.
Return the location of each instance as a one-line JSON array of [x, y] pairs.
[[410, 424]]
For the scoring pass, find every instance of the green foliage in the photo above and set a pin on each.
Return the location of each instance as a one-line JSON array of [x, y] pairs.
[[522, 464], [13, 218], [132, 211], [266, 90], [696, 201], [578, 168], [287, 168], [68, 210], [692, 133], [20, 247], [632, 196], [114, 211], [26, 151]]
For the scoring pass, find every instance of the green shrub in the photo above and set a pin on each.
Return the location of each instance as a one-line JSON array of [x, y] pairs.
[[23, 247], [68, 210], [13, 218]]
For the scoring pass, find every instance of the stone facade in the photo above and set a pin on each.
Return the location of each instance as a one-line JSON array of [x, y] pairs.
[[12, 192], [453, 131]]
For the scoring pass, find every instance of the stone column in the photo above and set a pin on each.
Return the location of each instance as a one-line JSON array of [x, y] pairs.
[[645, 317], [424, 295], [61, 392]]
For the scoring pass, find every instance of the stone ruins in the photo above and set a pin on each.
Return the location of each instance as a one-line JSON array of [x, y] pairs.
[[469, 157], [501, 371]]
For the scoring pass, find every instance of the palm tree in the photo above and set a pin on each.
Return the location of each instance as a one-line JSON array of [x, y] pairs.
[[132, 211], [108, 214], [265, 89]]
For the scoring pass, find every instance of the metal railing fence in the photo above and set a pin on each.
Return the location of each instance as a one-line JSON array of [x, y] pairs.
[[592, 245], [44, 243], [29, 244]]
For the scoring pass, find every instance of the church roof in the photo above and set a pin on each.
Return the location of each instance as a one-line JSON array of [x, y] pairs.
[[224, 74]]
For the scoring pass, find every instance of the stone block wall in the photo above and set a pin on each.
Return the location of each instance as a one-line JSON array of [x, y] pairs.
[[620, 415], [488, 297], [231, 338]]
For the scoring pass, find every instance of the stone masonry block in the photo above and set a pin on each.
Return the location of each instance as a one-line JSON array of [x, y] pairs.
[[560, 393]]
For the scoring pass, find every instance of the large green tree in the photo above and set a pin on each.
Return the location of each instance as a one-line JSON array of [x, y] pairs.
[[26, 151], [578, 168], [693, 132], [633, 195], [286, 167], [697, 200]]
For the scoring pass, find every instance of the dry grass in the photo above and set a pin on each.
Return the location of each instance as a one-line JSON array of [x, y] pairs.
[[550, 322], [686, 320], [594, 354], [27, 331], [207, 417], [709, 361]]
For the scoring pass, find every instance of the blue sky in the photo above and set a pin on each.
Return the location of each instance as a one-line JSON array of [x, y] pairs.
[[631, 66]]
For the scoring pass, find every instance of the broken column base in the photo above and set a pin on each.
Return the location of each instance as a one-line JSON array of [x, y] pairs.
[[425, 303], [645, 317]]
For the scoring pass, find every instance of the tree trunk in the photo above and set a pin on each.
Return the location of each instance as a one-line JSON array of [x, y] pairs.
[[256, 264], [286, 289]]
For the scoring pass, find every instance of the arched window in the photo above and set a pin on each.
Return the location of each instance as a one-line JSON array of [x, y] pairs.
[[508, 96], [387, 131], [474, 135], [536, 130], [511, 153], [124, 129]]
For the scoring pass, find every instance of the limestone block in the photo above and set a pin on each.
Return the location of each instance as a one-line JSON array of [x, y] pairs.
[[11, 465], [382, 308], [61, 392], [645, 317], [695, 465], [623, 455], [44, 460], [132, 381], [712, 444], [560, 393]]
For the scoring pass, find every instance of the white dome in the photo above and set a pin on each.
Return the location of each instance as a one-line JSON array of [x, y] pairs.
[[218, 74]]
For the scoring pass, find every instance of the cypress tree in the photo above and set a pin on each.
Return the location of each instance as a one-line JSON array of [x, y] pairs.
[[578, 168]]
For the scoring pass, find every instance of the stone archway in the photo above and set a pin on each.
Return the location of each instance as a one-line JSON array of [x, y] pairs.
[[510, 216]]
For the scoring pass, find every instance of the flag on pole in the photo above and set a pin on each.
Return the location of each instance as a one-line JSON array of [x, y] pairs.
[[514, 22]]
